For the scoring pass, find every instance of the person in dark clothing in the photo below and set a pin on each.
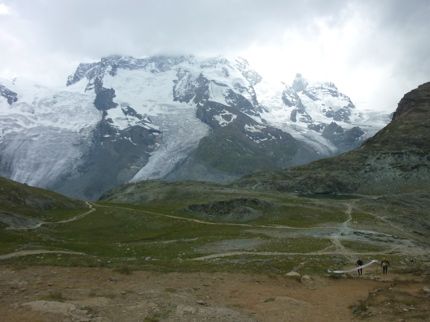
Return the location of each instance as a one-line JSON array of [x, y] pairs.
[[359, 263], [384, 264]]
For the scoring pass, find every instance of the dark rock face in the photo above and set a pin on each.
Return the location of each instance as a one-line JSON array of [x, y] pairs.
[[113, 157], [395, 160], [341, 115], [10, 96], [111, 64], [317, 127], [238, 145], [416, 101], [300, 115], [104, 96], [104, 99], [80, 73], [245, 106], [290, 98], [342, 139], [132, 112]]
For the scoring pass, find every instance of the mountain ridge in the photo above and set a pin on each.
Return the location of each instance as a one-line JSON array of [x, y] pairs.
[[395, 160], [166, 117]]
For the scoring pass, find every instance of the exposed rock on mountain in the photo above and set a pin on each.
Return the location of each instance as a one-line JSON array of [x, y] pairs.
[[396, 159], [10, 96], [168, 117]]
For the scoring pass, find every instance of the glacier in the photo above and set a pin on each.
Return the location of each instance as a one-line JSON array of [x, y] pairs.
[[125, 119]]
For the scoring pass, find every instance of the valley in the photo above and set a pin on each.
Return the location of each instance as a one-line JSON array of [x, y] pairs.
[[167, 235], [298, 230], [214, 161], [162, 261]]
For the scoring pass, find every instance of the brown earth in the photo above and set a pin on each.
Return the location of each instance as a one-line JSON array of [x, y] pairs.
[[100, 294]]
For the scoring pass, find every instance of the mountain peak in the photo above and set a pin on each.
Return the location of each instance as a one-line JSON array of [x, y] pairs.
[[395, 160], [163, 117], [414, 101]]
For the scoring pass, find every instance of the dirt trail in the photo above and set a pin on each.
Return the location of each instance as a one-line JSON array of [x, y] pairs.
[[77, 217], [31, 223], [99, 294], [22, 253], [204, 222], [318, 253], [335, 249], [344, 230]]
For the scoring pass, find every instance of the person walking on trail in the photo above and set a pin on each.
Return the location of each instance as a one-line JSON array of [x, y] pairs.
[[384, 264], [359, 270]]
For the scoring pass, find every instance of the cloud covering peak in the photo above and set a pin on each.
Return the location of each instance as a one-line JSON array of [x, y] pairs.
[[373, 50]]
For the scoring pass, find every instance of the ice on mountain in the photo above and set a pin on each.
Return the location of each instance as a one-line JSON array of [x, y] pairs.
[[162, 93], [255, 128], [181, 133], [218, 93], [40, 155], [225, 118]]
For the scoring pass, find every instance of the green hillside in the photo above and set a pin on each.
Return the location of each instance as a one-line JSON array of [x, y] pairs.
[[21, 199]]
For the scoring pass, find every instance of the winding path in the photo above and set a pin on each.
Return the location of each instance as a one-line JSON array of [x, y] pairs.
[[344, 230], [338, 248], [77, 217], [204, 222], [65, 221], [22, 253], [335, 249], [318, 253]]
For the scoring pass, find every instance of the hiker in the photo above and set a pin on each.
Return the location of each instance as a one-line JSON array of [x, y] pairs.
[[359, 270], [384, 264]]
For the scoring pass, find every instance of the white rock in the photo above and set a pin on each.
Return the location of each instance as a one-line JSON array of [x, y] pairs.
[[294, 275]]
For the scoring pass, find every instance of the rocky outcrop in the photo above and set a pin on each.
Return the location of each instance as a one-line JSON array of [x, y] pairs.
[[9, 95]]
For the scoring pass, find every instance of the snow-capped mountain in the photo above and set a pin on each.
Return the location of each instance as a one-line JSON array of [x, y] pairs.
[[172, 117], [319, 114]]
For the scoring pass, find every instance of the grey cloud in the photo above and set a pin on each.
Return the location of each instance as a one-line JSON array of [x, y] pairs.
[[74, 30], [149, 26]]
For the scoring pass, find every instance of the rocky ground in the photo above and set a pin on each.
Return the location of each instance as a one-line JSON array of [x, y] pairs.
[[43, 293]]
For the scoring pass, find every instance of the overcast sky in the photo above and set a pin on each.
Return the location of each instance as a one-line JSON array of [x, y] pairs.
[[373, 50]]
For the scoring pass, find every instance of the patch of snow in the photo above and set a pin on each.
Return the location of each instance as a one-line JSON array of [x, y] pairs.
[[181, 134], [130, 140], [269, 94], [217, 93], [45, 133], [225, 118], [257, 139], [40, 155], [256, 128]]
